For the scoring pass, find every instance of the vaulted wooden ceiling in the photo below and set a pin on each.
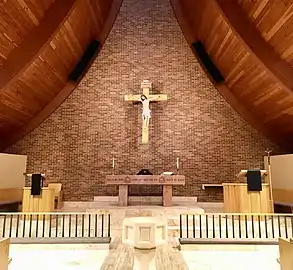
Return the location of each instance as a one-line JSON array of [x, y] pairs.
[[250, 41], [40, 44]]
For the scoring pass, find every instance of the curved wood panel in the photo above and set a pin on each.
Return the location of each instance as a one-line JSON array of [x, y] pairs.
[[274, 21], [56, 61], [249, 87], [23, 55], [17, 20]]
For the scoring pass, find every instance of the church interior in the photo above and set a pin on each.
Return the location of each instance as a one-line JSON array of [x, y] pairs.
[[146, 134]]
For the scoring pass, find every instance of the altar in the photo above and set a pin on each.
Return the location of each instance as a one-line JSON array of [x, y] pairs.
[[167, 181]]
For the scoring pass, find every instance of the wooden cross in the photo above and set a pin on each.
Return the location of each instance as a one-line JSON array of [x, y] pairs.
[[145, 99]]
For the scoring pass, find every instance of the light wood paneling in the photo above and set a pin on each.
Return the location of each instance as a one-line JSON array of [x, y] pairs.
[[42, 203], [274, 20], [237, 199]]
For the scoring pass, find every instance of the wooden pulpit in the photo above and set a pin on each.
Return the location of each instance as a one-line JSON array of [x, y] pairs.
[[238, 198], [38, 203], [123, 181]]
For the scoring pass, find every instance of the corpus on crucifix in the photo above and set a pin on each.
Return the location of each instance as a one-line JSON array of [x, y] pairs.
[[145, 98]]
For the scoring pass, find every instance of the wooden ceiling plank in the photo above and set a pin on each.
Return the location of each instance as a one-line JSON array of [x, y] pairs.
[[263, 53], [22, 56]]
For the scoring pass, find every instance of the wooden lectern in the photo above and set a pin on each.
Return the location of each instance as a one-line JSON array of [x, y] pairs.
[[38, 203], [237, 198]]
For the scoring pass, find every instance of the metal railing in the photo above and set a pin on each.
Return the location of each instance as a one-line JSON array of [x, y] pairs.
[[235, 228], [55, 227]]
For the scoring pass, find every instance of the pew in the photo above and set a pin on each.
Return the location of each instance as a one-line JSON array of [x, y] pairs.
[[286, 253], [4, 253]]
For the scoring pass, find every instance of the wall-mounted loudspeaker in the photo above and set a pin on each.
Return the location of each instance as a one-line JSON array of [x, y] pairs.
[[207, 62], [84, 63]]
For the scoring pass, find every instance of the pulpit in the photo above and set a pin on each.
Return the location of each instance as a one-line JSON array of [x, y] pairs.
[[123, 181], [38, 203], [247, 197]]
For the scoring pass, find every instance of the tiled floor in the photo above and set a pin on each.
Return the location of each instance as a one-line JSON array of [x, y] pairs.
[[265, 259], [57, 257], [88, 257]]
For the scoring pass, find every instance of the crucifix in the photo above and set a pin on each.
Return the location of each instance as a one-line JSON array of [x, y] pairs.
[[145, 98]]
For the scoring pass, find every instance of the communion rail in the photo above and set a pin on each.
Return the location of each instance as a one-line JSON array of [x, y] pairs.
[[55, 228], [234, 228]]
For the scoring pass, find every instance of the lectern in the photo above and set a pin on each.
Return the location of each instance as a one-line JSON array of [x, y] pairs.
[[240, 198], [38, 203]]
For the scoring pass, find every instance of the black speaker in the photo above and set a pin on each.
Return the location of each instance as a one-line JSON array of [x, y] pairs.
[[37, 183], [84, 63], [207, 62]]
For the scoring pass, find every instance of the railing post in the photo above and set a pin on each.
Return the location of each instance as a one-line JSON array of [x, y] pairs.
[[69, 225], [279, 226], [102, 225], [4, 226], [193, 225], [207, 225], [23, 227], [220, 225], [37, 225], [63, 225], [273, 228], [109, 224], [89, 233], [200, 226], [10, 225], [96, 225], [180, 226], [187, 229], [17, 226], [259, 226], [266, 226], [286, 231], [239, 226]]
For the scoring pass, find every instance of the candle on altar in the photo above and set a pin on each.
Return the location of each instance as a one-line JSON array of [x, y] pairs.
[[113, 163], [177, 163]]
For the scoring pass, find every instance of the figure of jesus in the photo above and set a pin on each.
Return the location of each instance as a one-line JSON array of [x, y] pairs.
[[146, 112]]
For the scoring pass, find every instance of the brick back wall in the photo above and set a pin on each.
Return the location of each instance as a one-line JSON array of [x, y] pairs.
[[76, 144]]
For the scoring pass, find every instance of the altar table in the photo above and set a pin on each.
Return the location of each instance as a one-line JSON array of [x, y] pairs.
[[123, 181]]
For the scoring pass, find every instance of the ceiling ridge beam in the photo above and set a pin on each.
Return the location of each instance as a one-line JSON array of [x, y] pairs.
[[65, 92], [256, 45], [39, 37], [222, 88]]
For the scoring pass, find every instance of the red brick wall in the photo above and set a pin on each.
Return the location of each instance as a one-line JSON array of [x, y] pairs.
[[76, 144]]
